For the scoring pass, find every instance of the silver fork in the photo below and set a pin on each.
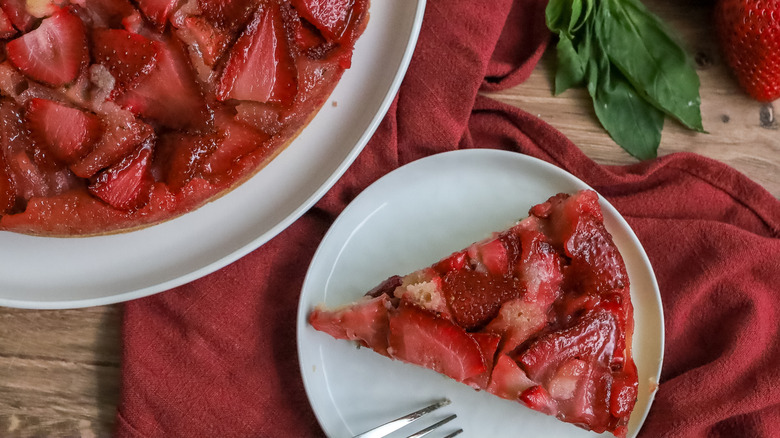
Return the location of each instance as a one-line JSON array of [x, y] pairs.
[[391, 426]]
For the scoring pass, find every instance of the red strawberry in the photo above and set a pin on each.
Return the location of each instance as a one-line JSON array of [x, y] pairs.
[[749, 34], [508, 380], [7, 29], [260, 66], [122, 134], [238, 140], [421, 337], [7, 188], [210, 41], [169, 95], [366, 322], [592, 339], [183, 155], [68, 132], [158, 11], [126, 185], [537, 398], [488, 343], [16, 11], [129, 57], [228, 15], [54, 52], [475, 297], [329, 16]]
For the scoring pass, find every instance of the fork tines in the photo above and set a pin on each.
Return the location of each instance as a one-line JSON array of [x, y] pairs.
[[392, 426]]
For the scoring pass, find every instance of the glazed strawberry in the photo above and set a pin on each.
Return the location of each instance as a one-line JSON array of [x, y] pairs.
[[16, 12], [7, 29], [169, 95], [129, 57], [157, 11], [260, 67], [210, 41], [183, 156], [475, 297], [367, 323], [749, 34], [122, 134], [418, 336], [54, 53], [7, 188], [67, 132], [127, 184], [237, 140], [329, 16]]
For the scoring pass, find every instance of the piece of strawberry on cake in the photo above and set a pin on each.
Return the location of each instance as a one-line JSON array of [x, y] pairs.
[[539, 313]]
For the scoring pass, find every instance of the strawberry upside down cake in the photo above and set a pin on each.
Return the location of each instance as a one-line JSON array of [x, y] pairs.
[[540, 314], [116, 114]]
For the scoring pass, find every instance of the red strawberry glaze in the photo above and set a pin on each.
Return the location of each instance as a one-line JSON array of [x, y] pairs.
[[212, 89], [546, 306]]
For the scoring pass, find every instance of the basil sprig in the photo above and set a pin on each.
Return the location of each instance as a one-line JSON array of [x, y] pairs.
[[634, 70]]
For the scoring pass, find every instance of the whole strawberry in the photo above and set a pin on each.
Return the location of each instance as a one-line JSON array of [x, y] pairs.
[[749, 33]]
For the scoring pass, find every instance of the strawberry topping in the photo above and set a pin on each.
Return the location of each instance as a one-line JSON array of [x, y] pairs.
[[330, 16], [127, 184], [169, 95], [54, 52], [420, 337], [129, 57], [7, 28], [158, 11], [16, 12], [68, 132], [260, 66]]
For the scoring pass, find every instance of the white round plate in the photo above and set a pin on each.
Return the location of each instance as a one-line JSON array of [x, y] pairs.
[[409, 219], [39, 272]]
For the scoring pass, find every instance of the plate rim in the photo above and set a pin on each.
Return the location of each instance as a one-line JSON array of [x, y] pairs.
[[271, 232], [304, 306]]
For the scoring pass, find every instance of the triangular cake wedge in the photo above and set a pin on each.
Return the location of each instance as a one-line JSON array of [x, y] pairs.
[[539, 313]]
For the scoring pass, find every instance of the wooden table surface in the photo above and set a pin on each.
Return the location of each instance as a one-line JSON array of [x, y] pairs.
[[60, 370]]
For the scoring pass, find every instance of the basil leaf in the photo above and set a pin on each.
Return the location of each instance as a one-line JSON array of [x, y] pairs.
[[630, 120], [571, 66], [639, 44], [567, 16]]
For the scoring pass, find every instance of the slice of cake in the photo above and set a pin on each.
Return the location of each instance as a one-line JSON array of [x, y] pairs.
[[540, 313]]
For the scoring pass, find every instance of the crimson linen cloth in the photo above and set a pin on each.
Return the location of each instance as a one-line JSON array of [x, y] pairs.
[[217, 357]]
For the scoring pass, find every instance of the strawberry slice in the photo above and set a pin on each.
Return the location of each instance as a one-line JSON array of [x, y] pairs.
[[126, 185], [54, 53], [16, 12], [122, 134], [210, 41], [366, 322], [7, 29], [169, 95], [422, 338], [238, 140], [537, 398], [592, 339], [7, 188], [129, 57], [105, 13], [508, 380], [182, 156], [260, 67], [488, 343], [158, 11], [475, 297], [331, 17], [67, 131]]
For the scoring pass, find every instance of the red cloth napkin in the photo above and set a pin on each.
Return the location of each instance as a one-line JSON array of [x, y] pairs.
[[217, 357]]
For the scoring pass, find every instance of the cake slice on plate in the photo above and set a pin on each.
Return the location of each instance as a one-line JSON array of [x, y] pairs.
[[539, 313]]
